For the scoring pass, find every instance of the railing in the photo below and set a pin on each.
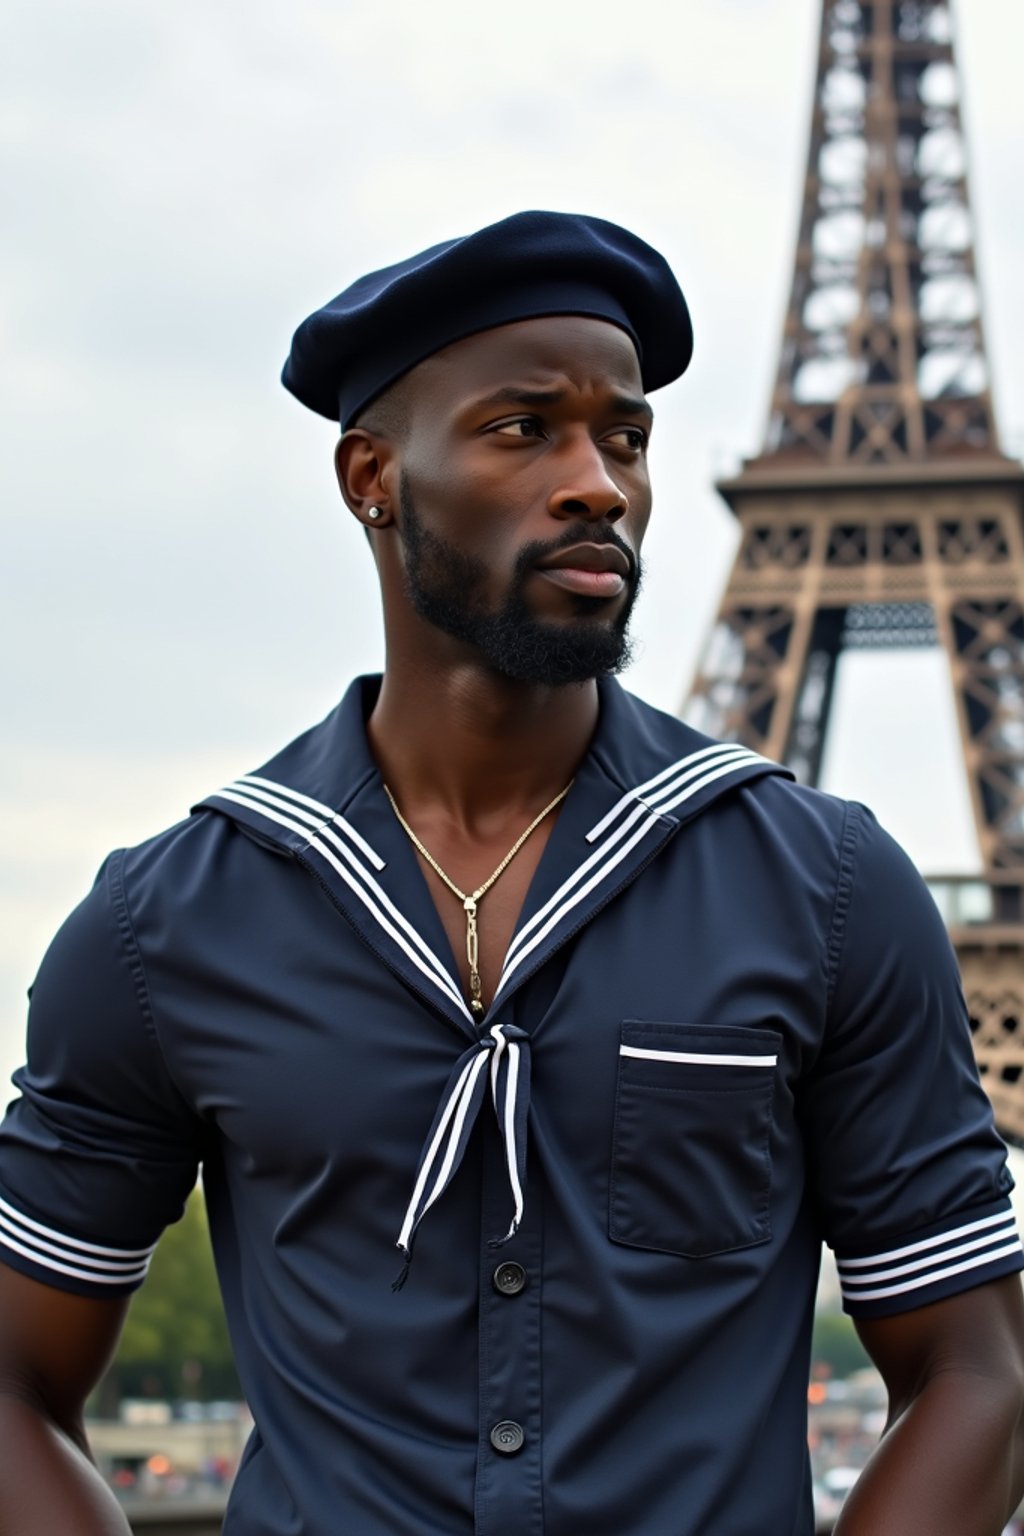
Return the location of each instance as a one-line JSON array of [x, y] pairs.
[[962, 900], [972, 901]]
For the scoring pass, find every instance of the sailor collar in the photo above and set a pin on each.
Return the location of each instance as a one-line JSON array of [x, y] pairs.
[[321, 801]]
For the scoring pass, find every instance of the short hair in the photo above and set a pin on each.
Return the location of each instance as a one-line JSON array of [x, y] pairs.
[[388, 414]]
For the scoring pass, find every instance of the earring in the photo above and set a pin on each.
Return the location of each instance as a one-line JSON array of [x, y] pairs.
[[373, 513]]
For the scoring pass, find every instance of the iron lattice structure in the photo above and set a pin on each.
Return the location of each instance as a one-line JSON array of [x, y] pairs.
[[881, 511]]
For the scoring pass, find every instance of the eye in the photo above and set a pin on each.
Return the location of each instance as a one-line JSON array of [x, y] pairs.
[[633, 438], [522, 426]]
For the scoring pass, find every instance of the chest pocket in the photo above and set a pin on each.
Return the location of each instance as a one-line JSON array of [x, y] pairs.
[[691, 1154]]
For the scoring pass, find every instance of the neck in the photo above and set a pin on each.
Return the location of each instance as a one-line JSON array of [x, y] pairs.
[[475, 746]]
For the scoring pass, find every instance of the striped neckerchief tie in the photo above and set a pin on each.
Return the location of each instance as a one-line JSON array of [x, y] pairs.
[[508, 1050]]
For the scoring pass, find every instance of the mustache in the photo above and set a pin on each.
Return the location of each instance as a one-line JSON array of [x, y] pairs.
[[577, 533]]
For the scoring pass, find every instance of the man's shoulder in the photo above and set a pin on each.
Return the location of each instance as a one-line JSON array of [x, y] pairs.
[[175, 865], [792, 844], [317, 766], [658, 740], [210, 847]]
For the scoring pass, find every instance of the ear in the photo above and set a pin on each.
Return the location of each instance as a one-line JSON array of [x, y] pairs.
[[367, 472]]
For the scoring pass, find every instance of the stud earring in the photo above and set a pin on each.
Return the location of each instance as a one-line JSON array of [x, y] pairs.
[[373, 513]]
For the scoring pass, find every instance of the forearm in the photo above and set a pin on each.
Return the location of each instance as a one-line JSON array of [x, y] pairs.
[[952, 1464], [48, 1486]]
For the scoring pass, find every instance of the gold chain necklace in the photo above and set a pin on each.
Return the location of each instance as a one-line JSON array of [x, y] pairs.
[[470, 900]]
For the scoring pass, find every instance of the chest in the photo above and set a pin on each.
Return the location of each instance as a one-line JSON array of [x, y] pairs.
[[293, 1034], [321, 1076]]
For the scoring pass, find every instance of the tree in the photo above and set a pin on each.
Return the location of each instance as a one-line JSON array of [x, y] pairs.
[[835, 1346]]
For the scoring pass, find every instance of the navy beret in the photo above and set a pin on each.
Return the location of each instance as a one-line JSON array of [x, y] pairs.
[[531, 264]]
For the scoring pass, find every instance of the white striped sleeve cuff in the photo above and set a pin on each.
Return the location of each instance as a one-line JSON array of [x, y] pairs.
[[69, 1263], [969, 1251]]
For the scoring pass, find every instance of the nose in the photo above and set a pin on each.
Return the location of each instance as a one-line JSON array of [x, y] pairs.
[[586, 489]]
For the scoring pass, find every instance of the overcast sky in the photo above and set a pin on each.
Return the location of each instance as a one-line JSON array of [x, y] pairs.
[[181, 590]]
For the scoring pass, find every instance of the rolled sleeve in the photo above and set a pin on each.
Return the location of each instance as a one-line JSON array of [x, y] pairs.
[[100, 1151], [909, 1173]]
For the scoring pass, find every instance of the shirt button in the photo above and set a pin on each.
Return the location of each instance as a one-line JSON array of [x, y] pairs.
[[509, 1278], [507, 1437]]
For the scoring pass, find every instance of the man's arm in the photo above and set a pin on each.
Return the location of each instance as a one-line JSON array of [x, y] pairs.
[[54, 1347], [951, 1459]]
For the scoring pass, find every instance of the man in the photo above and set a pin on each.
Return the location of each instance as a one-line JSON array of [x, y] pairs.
[[530, 1042]]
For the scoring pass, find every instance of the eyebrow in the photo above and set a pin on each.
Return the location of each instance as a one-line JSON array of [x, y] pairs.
[[515, 394]]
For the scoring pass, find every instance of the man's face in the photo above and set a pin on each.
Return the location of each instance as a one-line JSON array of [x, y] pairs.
[[524, 496]]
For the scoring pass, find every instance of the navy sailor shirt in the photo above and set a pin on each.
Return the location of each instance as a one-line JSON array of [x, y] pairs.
[[729, 1027]]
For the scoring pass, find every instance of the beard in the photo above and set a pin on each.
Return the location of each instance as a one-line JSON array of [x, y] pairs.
[[510, 639]]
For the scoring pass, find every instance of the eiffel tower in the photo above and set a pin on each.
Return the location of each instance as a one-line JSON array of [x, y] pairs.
[[881, 511]]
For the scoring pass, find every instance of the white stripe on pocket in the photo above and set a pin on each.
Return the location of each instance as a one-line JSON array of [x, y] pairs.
[[699, 1058]]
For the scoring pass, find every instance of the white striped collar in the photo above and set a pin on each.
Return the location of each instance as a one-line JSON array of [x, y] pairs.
[[339, 853], [631, 794], [631, 830], [684, 771]]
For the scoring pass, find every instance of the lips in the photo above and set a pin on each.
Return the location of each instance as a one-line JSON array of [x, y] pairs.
[[588, 557], [590, 570]]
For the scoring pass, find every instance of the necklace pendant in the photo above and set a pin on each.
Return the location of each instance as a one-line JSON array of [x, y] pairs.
[[476, 1001], [469, 902]]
